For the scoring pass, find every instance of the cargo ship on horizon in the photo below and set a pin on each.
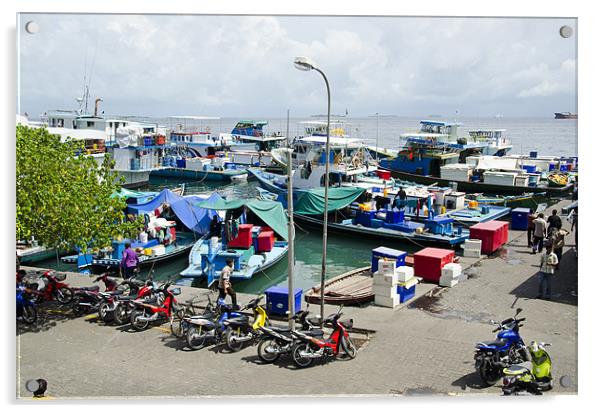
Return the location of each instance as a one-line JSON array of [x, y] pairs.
[[565, 115]]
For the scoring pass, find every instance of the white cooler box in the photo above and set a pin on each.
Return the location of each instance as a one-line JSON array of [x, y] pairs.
[[404, 273], [385, 280], [158, 250], [387, 301], [384, 291], [451, 270]]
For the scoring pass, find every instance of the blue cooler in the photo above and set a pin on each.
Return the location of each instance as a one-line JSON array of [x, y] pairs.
[[530, 168], [181, 163], [405, 293], [520, 218], [364, 218], [276, 299], [394, 217], [384, 252]]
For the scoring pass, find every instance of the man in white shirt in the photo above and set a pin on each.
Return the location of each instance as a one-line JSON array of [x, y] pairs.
[[539, 233], [224, 285], [549, 262]]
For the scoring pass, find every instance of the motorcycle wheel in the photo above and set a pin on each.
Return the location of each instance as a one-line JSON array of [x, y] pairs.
[[196, 337], [135, 321], [104, 313], [263, 354], [120, 314], [29, 315], [489, 373], [348, 347], [231, 342], [64, 295], [299, 360], [176, 324], [77, 308]]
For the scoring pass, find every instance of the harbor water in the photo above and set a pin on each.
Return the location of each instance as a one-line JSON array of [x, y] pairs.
[[546, 136]]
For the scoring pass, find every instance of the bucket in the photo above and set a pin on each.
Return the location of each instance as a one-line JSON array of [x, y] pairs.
[[473, 204]]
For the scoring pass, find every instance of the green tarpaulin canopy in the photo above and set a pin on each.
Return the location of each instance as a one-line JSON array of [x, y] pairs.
[[128, 193], [311, 202], [271, 212]]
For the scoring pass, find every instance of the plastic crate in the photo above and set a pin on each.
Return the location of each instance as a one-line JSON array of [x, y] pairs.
[[493, 234], [520, 218], [428, 263], [406, 293], [277, 300]]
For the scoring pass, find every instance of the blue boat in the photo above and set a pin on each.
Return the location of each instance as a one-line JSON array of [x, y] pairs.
[[261, 242]]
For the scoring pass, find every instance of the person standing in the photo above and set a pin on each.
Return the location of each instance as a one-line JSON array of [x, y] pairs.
[[556, 238], [530, 229], [554, 221], [215, 228], [129, 262], [400, 199], [224, 285], [548, 263], [574, 227], [539, 233]]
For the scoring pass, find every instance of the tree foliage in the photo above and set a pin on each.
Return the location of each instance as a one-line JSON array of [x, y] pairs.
[[64, 196]]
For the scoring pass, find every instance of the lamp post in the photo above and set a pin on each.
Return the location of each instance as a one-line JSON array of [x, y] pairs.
[[306, 64], [376, 152]]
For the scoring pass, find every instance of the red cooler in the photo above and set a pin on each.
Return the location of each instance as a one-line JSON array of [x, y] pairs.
[[493, 235], [265, 241], [429, 262], [382, 174], [244, 238]]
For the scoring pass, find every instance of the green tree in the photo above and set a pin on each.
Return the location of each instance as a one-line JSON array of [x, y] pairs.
[[64, 196]]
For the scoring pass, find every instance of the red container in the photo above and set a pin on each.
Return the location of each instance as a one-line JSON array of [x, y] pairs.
[[244, 238], [429, 262], [493, 235], [382, 174], [265, 241]]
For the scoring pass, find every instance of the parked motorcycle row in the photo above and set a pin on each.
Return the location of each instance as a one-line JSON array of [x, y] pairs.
[[508, 358], [142, 304]]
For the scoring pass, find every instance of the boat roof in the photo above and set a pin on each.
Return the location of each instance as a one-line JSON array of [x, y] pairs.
[[439, 123], [334, 140], [487, 130], [253, 122], [257, 138], [78, 134], [423, 135]]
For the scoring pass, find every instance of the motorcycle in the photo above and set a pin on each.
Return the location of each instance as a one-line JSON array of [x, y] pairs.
[[87, 299], [277, 340], [110, 300], [491, 357], [179, 325], [50, 287], [311, 346], [240, 330], [26, 309], [144, 313], [200, 329], [124, 305], [519, 380]]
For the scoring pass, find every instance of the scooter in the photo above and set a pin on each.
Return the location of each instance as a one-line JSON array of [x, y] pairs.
[[311, 347], [124, 304], [145, 313], [519, 380], [201, 329], [240, 330], [109, 299], [26, 309], [491, 357], [87, 299], [53, 288], [279, 340]]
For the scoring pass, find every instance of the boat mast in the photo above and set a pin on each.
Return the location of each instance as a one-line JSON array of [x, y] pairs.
[[291, 232]]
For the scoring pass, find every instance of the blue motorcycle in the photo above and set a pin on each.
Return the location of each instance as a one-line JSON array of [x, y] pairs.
[[26, 309], [491, 357], [202, 328]]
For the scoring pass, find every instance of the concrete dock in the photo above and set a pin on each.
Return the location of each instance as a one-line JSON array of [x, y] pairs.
[[423, 347]]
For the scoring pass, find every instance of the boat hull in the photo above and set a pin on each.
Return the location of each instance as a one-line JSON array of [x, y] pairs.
[[354, 298], [221, 176], [478, 187]]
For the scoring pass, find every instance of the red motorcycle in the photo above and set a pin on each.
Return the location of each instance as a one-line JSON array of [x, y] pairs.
[[119, 307], [87, 299], [145, 313], [312, 346], [51, 287]]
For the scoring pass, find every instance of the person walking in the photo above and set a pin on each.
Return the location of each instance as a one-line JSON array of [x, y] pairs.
[[129, 262], [530, 229], [224, 285], [554, 221], [539, 233], [548, 263], [556, 238]]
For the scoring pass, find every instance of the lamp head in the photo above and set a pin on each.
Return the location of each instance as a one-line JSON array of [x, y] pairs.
[[304, 63]]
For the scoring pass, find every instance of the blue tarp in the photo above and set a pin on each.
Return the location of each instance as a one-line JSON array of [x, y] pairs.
[[194, 218]]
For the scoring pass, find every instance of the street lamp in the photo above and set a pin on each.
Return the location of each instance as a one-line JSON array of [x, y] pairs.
[[306, 64]]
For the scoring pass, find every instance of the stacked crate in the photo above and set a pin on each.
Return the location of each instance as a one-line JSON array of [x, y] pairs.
[[472, 248], [384, 284], [450, 275], [406, 287]]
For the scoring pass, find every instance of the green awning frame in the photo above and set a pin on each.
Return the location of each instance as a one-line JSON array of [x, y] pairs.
[[311, 202]]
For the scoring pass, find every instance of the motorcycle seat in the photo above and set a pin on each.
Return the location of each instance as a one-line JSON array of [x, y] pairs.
[[495, 343], [92, 288], [515, 370], [126, 297], [279, 329], [314, 333]]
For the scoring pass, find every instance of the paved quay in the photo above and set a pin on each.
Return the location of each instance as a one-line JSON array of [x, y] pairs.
[[423, 348]]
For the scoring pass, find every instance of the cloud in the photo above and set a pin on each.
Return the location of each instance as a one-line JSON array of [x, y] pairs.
[[242, 66]]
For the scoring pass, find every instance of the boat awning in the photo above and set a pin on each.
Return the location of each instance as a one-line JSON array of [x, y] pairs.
[[311, 202], [194, 218], [128, 193], [271, 212]]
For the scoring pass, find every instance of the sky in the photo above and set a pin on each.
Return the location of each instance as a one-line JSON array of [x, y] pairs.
[[242, 66]]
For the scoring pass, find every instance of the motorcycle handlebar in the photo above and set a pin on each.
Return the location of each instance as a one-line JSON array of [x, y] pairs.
[[518, 320]]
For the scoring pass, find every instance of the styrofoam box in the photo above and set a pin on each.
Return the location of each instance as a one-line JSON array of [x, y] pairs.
[[410, 283], [404, 273], [452, 270], [387, 279], [384, 291], [159, 250], [472, 253], [387, 301], [447, 283], [386, 266], [472, 244]]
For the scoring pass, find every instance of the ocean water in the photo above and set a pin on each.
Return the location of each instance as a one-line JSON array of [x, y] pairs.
[[547, 136]]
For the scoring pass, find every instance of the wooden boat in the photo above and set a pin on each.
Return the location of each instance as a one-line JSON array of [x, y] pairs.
[[558, 180]]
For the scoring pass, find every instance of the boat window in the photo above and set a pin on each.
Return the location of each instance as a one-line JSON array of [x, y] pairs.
[[90, 124]]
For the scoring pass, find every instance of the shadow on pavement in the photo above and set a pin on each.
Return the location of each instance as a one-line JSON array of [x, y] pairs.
[[564, 282], [471, 380], [50, 314]]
